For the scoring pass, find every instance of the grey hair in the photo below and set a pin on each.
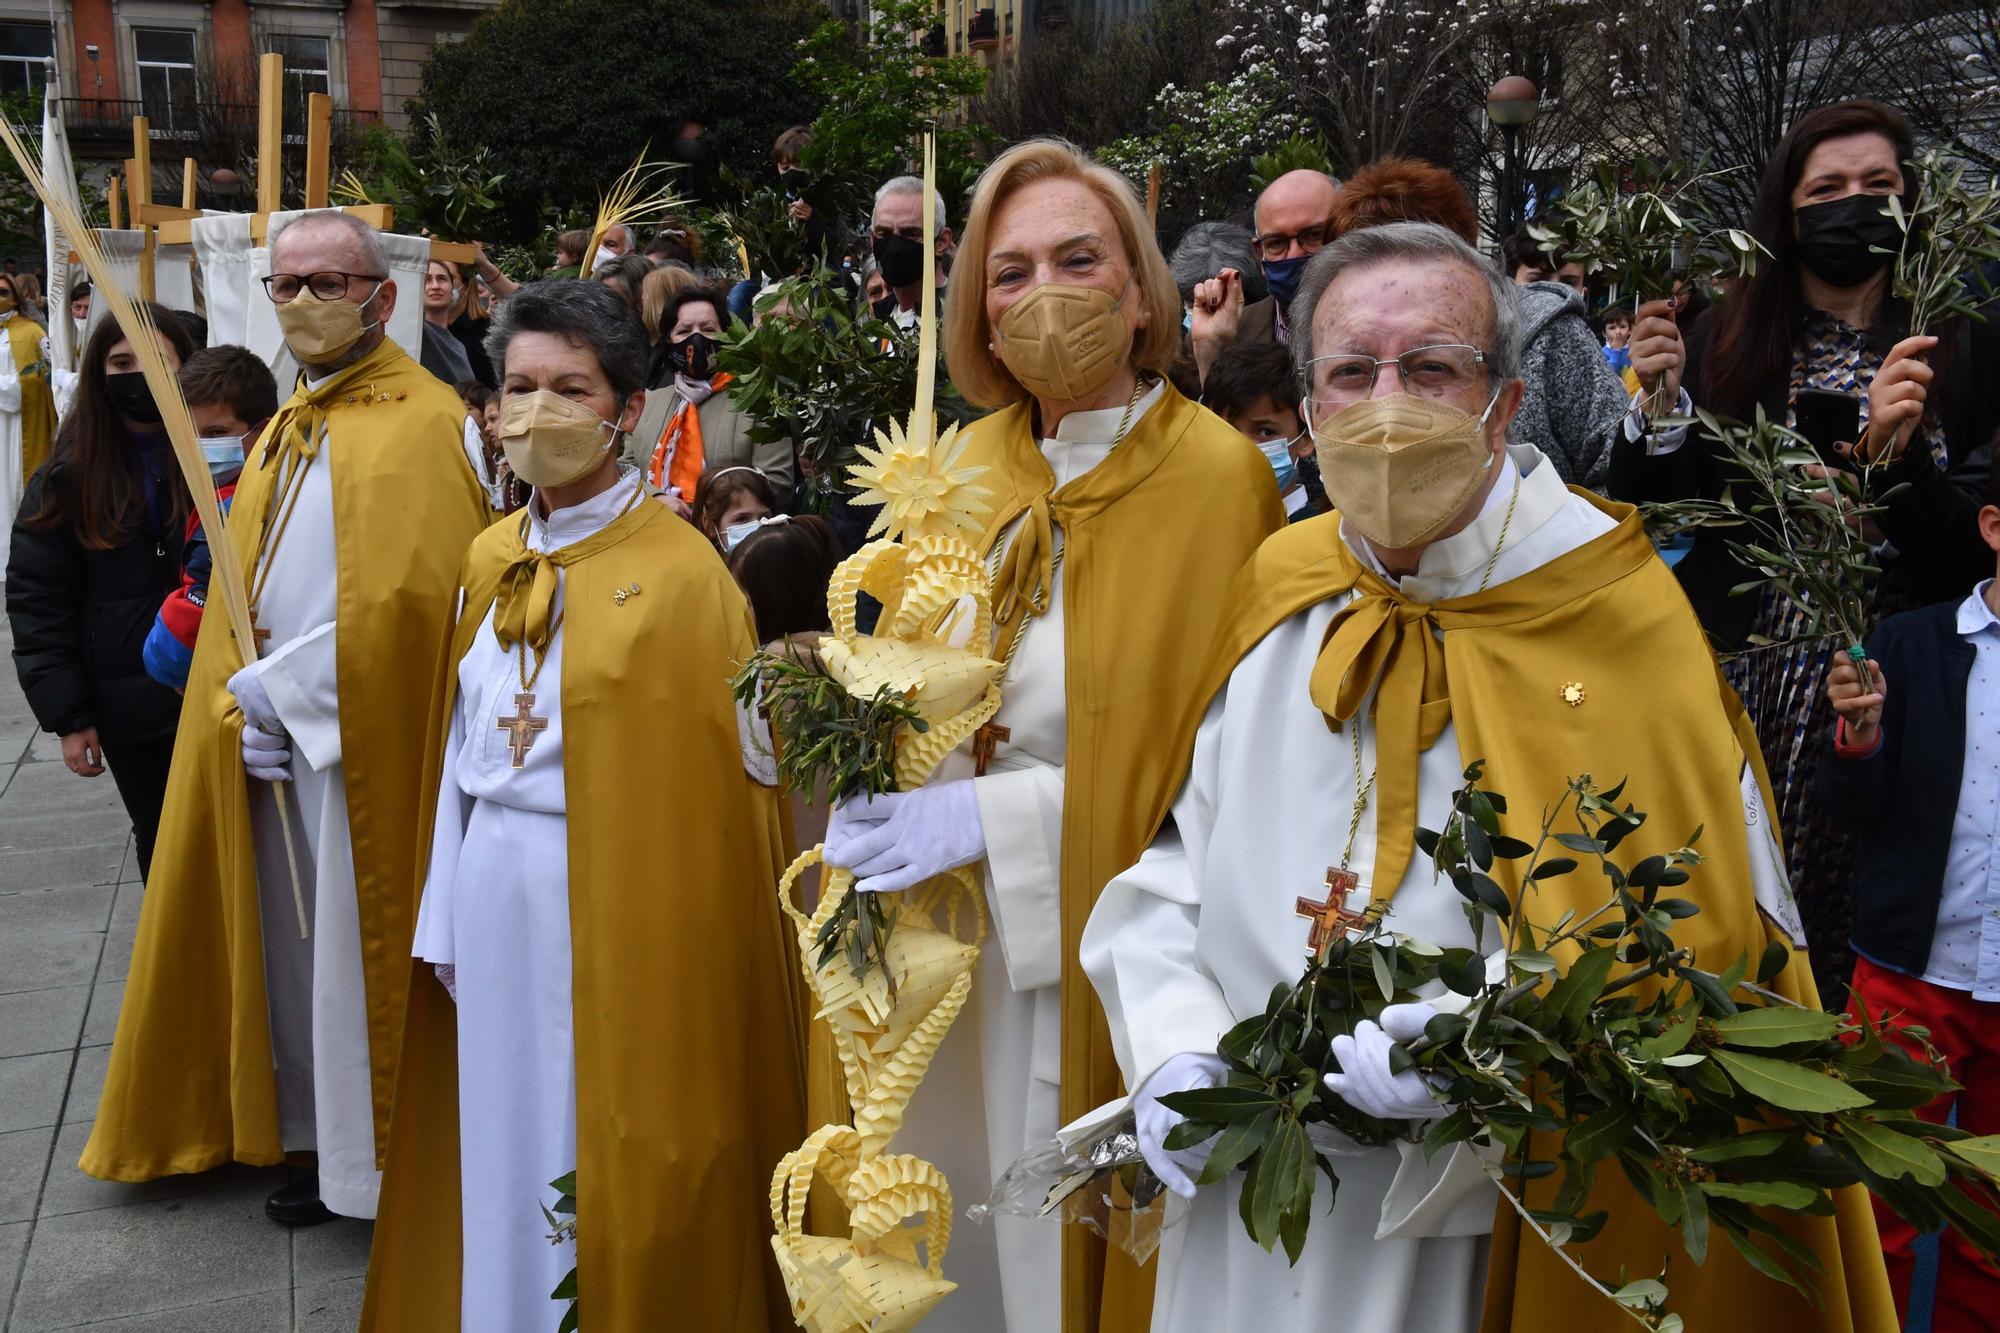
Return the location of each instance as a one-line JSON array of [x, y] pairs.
[[912, 185], [586, 314], [1406, 240], [1207, 248], [630, 269], [364, 235]]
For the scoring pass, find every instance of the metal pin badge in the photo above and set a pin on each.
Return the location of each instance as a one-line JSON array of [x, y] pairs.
[[619, 595]]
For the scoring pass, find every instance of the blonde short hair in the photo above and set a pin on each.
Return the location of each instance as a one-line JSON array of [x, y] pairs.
[[975, 370], [658, 288]]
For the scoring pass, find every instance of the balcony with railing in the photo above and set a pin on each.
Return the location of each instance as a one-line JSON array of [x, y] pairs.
[[109, 119], [982, 30]]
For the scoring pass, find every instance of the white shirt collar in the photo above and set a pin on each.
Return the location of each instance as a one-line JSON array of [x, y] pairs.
[[566, 527], [1101, 426], [1975, 616], [1452, 566]]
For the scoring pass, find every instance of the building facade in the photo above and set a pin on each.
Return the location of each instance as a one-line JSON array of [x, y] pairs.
[[189, 66]]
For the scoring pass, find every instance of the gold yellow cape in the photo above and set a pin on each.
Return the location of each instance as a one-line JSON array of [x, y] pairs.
[[38, 404], [689, 1063], [190, 1084], [1610, 617], [1156, 534]]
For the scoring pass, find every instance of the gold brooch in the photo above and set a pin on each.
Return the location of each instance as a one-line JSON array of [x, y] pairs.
[[620, 594], [1572, 694]]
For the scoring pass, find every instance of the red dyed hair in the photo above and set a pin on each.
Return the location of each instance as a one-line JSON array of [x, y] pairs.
[[1404, 189]]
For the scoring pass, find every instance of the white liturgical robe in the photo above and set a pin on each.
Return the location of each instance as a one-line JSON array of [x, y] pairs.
[[992, 1092], [1194, 937]]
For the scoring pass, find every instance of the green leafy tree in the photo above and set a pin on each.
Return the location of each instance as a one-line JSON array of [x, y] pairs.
[[21, 230], [878, 90], [446, 189], [571, 91]]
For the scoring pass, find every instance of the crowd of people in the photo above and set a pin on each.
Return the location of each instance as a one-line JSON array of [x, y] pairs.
[[1286, 526]]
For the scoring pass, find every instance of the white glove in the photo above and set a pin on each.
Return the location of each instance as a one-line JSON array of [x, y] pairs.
[[1365, 1082], [1176, 1167], [266, 757], [897, 841], [255, 701]]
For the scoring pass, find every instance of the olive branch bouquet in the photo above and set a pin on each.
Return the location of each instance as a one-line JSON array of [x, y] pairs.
[[829, 739], [1804, 536], [1949, 232], [1655, 239], [1647, 238], [1717, 1098]]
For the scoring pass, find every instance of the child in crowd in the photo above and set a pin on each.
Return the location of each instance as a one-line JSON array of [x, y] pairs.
[[729, 503], [783, 566], [1253, 387], [482, 405], [1915, 773], [1617, 327], [231, 395]]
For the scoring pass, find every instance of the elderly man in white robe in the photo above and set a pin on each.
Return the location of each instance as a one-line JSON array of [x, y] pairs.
[[293, 737], [1400, 321]]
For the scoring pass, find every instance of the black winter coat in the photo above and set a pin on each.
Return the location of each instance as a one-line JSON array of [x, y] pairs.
[[80, 619], [1932, 519]]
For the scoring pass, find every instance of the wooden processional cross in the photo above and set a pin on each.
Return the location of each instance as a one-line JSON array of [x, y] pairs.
[[1331, 919], [165, 224]]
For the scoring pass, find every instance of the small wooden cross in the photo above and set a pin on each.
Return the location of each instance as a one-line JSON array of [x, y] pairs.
[[1331, 918], [984, 742], [522, 726]]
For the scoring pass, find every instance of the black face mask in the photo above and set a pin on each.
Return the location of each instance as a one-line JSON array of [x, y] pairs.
[[1835, 238], [694, 355], [133, 397], [901, 260], [794, 181]]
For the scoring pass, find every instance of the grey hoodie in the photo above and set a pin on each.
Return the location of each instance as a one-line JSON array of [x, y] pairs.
[[1574, 400]]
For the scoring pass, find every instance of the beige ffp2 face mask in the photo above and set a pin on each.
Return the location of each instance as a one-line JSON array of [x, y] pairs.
[[320, 331], [551, 440], [1063, 341], [1399, 467]]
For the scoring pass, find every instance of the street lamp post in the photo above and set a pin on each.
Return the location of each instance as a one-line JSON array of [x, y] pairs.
[[1512, 104]]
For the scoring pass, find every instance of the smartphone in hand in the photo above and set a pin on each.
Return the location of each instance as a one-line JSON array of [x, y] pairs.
[[1827, 418]]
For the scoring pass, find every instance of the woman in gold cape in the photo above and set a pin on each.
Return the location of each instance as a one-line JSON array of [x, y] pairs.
[[1118, 513], [608, 999]]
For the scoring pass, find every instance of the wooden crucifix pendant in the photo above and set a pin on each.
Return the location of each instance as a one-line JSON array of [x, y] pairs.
[[984, 742], [522, 728], [1331, 919]]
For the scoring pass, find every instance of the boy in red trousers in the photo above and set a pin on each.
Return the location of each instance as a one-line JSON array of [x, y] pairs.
[[1916, 772]]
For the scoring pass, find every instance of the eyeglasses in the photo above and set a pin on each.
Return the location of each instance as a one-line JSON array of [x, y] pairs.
[[1438, 371], [1310, 240], [285, 287]]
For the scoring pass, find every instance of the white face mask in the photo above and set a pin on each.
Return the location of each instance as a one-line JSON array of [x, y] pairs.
[[736, 534], [224, 454], [604, 256], [80, 326]]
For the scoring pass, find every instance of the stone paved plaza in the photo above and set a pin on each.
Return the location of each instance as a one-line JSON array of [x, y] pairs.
[[191, 1254]]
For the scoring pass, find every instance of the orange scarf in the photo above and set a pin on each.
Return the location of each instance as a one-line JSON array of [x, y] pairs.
[[678, 458]]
